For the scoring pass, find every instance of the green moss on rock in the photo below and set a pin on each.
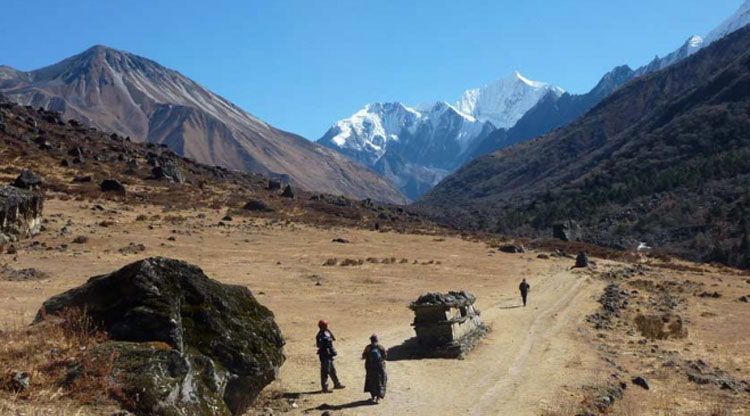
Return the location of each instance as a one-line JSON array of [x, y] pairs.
[[226, 347]]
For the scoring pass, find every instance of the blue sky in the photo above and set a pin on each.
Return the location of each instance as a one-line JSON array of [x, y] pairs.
[[301, 65]]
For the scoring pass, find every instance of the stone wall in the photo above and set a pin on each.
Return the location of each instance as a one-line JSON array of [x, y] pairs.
[[20, 213]]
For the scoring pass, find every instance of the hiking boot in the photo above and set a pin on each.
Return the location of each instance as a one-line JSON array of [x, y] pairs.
[[327, 391], [339, 386]]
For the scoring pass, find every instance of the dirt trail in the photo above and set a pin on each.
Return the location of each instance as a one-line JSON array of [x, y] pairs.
[[528, 348], [283, 264]]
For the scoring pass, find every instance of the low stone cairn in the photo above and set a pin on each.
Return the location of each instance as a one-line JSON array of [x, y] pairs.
[[448, 325]]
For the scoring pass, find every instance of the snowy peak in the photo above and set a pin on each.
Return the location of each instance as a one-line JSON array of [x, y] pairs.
[[738, 20], [373, 127], [506, 100], [414, 147]]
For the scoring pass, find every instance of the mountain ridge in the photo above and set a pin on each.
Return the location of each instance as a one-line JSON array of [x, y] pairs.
[[134, 96], [650, 162]]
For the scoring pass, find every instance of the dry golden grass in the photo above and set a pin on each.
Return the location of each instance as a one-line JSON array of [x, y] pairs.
[[47, 351]]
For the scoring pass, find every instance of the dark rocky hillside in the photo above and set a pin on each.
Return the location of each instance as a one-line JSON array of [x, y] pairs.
[[665, 160], [83, 163]]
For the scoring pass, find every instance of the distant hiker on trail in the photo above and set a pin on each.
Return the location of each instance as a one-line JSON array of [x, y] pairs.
[[376, 378], [524, 288], [326, 352]]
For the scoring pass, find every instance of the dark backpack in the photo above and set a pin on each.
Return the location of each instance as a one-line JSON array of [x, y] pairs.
[[375, 355]]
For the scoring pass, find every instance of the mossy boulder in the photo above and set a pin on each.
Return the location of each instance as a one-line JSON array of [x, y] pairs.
[[221, 347]]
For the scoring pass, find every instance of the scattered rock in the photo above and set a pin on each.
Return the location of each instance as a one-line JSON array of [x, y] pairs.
[[273, 185], [745, 299], [288, 192], [714, 295], [18, 380], [132, 249], [341, 240], [112, 185], [27, 180], [699, 372], [83, 179], [257, 204], [613, 301], [227, 218], [9, 274], [81, 239], [168, 169], [512, 248], [642, 382], [184, 344], [543, 256]]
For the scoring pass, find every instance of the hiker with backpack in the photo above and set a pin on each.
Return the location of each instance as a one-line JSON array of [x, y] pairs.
[[326, 353], [376, 377]]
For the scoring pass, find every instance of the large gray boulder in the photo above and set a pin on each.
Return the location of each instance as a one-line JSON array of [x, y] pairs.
[[567, 231], [219, 346], [20, 213]]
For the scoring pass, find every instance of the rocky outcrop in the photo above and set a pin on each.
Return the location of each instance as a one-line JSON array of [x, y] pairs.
[[184, 344], [567, 231], [20, 213]]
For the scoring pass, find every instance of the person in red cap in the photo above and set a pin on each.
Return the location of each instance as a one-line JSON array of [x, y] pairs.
[[326, 353]]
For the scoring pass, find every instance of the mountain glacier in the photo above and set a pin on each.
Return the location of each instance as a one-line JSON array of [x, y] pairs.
[[506, 100], [413, 147]]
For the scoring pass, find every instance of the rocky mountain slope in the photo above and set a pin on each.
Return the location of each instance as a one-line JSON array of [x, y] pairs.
[[661, 160], [83, 163], [135, 97]]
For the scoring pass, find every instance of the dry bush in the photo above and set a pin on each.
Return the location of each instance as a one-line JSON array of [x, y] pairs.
[[650, 326], [175, 219], [48, 351]]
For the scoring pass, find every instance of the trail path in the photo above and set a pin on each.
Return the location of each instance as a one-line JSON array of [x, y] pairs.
[[530, 353]]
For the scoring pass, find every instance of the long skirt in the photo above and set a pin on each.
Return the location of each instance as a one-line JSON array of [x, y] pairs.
[[376, 380]]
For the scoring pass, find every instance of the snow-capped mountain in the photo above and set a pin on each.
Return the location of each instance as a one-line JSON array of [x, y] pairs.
[[506, 100], [413, 147]]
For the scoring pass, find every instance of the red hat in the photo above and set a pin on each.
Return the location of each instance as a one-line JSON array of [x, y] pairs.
[[322, 323]]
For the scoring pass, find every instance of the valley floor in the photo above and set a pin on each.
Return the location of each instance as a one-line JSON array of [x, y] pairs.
[[534, 361]]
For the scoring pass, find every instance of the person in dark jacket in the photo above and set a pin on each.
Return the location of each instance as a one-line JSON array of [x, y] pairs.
[[376, 377], [326, 353], [524, 288]]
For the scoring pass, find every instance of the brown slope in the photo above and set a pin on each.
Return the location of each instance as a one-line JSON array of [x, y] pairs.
[[133, 96], [662, 160]]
